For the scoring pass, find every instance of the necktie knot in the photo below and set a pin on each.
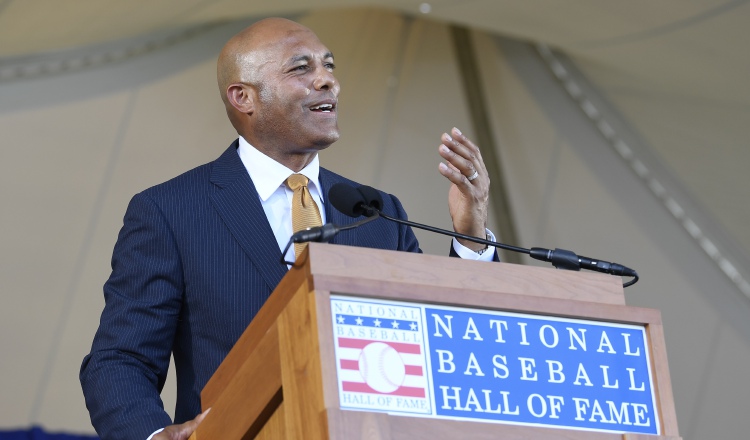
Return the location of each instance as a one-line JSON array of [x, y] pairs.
[[296, 181]]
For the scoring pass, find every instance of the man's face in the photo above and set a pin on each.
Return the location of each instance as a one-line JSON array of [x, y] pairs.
[[296, 109]]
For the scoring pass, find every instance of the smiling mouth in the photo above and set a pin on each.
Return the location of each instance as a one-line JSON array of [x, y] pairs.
[[323, 108]]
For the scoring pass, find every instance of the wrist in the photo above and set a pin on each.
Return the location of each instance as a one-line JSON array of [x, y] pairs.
[[476, 247]]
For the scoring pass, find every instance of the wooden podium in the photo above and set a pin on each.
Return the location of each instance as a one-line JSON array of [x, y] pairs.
[[280, 379]]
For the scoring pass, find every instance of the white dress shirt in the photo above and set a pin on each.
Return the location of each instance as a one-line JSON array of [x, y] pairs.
[[269, 178]]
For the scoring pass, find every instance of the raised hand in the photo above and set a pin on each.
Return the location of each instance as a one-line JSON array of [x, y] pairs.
[[468, 197]]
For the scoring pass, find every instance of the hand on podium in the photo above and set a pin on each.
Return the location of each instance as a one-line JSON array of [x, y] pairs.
[[182, 431]]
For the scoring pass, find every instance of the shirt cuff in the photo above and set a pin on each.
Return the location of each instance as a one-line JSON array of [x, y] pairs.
[[468, 254], [155, 432]]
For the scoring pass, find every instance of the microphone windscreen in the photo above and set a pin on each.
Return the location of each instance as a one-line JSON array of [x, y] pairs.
[[346, 199], [372, 197]]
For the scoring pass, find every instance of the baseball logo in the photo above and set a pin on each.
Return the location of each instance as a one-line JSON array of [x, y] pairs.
[[381, 367]]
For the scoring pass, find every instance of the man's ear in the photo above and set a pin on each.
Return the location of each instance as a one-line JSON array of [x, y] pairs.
[[242, 97]]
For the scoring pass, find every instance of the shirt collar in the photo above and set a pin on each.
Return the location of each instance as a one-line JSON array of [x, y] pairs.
[[268, 175]]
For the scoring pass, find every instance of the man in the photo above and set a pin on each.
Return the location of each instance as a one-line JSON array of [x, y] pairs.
[[198, 255]]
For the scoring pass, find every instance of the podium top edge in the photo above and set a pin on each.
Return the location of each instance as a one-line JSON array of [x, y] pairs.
[[376, 265]]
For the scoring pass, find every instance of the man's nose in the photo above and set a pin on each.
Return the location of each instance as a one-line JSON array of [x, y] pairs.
[[324, 80]]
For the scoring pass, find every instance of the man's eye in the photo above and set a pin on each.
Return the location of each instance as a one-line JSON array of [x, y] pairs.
[[330, 66], [300, 68]]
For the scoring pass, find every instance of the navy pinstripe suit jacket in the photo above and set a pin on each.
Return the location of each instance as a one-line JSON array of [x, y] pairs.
[[194, 262]]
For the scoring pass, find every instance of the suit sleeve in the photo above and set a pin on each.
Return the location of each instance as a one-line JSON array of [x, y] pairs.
[[126, 369], [407, 240]]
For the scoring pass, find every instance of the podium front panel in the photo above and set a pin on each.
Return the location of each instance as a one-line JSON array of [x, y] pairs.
[[425, 360]]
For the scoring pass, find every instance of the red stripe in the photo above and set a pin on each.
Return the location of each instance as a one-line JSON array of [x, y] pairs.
[[348, 364], [413, 370], [362, 343], [357, 387]]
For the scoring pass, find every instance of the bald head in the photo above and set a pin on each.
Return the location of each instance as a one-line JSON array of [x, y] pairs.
[[243, 57]]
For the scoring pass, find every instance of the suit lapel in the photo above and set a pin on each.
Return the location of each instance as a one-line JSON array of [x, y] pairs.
[[238, 204]]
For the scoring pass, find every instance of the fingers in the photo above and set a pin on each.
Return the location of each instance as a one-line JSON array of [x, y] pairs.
[[192, 425], [463, 156], [182, 431]]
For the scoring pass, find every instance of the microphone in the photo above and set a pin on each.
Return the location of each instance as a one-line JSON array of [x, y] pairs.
[[321, 234], [372, 197], [565, 259], [369, 202], [355, 202]]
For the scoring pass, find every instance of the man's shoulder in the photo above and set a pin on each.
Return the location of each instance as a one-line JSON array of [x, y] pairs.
[[187, 181], [199, 178]]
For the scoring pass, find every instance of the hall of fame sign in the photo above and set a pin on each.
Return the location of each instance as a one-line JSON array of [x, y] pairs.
[[498, 367], [380, 356]]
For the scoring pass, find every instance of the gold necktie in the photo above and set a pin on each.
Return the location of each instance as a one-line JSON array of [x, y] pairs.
[[305, 212]]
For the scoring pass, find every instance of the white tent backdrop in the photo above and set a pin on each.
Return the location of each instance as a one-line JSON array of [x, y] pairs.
[[619, 128]]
